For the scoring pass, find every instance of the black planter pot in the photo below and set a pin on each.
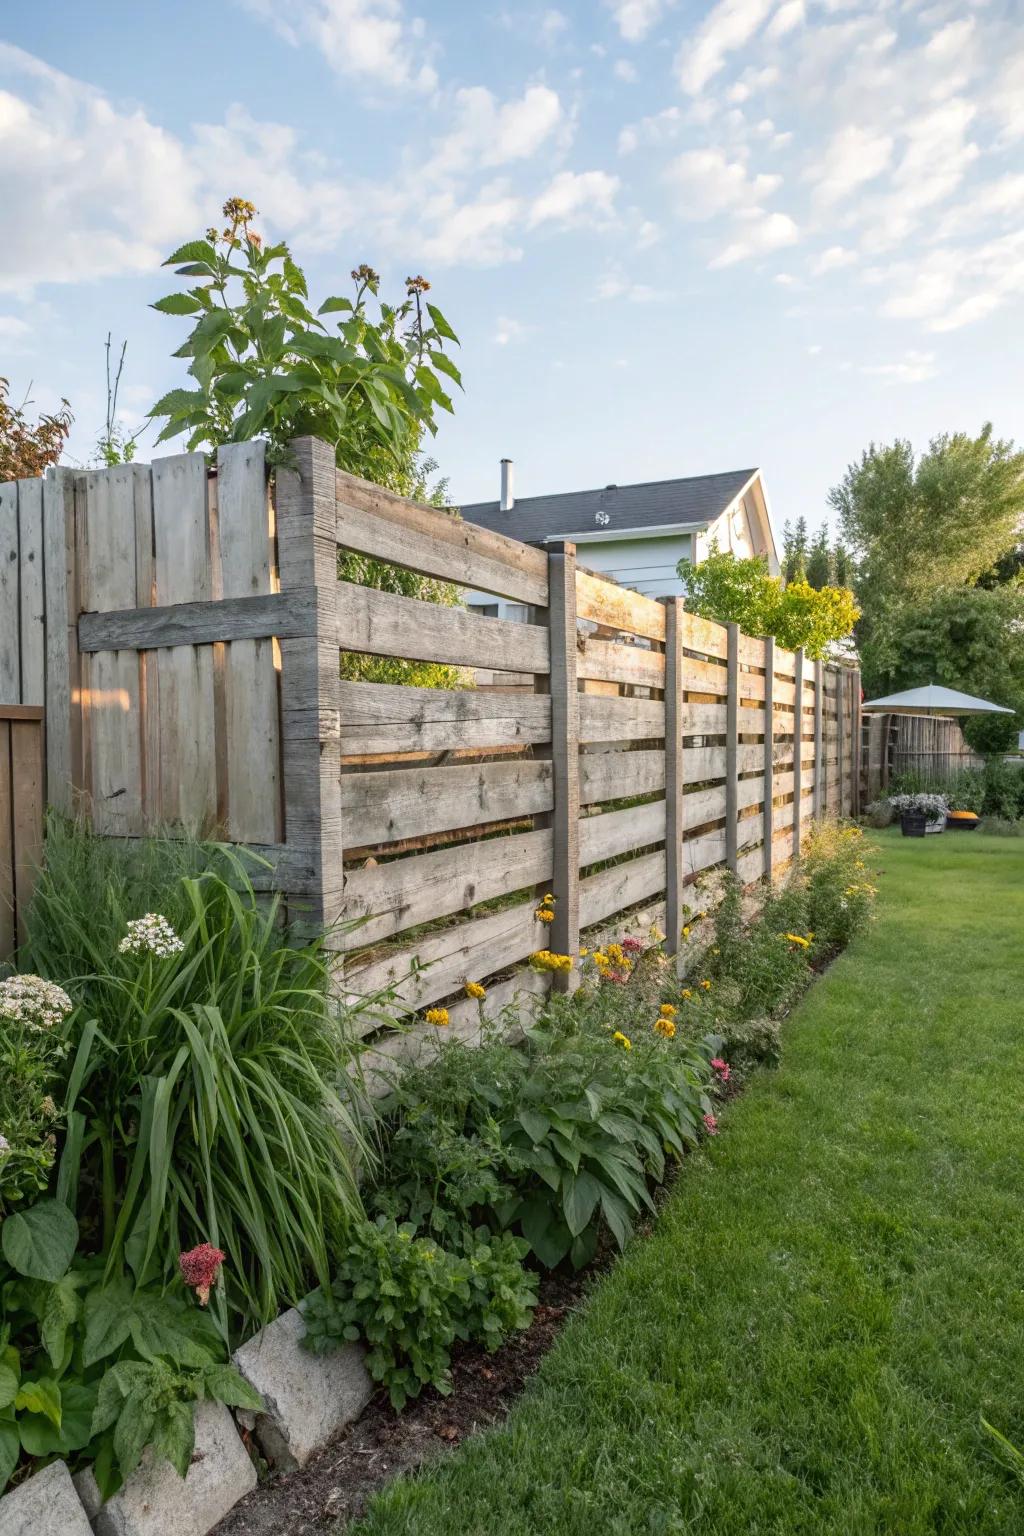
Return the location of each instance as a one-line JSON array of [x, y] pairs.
[[959, 824], [913, 824]]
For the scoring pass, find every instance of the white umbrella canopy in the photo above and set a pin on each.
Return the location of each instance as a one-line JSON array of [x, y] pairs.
[[933, 700]]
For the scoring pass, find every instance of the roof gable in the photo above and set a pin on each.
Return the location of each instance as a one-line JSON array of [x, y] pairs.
[[695, 500]]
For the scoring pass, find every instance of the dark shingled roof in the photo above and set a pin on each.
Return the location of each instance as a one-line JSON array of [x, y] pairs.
[[696, 499]]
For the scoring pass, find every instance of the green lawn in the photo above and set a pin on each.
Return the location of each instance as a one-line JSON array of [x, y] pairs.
[[835, 1291]]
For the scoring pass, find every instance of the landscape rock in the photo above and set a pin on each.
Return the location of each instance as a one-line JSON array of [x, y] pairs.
[[45, 1505], [155, 1501], [308, 1398]]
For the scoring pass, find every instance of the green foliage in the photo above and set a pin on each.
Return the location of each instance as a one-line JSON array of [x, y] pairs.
[[409, 1300], [992, 735], [917, 528], [30, 1061], [263, 364], [794, 551], [741, 591], [204, 1096]]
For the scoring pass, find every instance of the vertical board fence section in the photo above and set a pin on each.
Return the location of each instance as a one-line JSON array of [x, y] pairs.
[[22, 799], [202, 664]]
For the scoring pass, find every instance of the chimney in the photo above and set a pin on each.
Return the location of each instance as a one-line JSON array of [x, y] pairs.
[[508, 499]]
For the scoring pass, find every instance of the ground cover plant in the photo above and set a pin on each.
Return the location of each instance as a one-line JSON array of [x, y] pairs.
[[828, 1304]]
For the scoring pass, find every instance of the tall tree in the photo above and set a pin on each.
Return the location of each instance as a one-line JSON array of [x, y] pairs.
[[27, 449], [794, 551], [740, 590], [819, 561]]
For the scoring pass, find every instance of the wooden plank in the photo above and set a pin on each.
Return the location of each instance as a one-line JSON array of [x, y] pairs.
[[785, 662], [707, 677], [604, 602], [705, 635], [149, 683], [614, 719], [520, 996], [237, 619], [457, 550], [110, 679], [732, 745], [674, 773], [769, 743], [398, 803], [386, 898], [840, 738], [615, 889], [61, 651], [188, 737], [612, 833], [10, 605], [701, 764], [31, 594], [252, 746], [819, 769], [565, 756], [28, 798], [710, 719], [798, 752], [387, 718], [8, 921], [386, 624], [609, 662], [858, 744], [704, 805], [616, 775]]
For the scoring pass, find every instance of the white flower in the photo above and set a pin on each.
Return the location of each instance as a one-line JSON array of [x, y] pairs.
[[151, 934], [5, 1145], [33, 1001]]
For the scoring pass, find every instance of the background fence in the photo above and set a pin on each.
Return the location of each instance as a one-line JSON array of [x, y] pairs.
[[191, 629], [933, 748]]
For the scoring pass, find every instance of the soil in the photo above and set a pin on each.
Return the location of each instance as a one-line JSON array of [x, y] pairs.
[[335, 1484]]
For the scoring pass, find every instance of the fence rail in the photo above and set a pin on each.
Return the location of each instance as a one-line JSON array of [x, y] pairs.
[[193, 626]]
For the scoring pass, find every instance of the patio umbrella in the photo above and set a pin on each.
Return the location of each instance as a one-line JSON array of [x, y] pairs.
[[934, 700]]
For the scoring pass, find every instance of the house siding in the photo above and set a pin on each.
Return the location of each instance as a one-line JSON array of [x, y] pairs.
[[645, 565]]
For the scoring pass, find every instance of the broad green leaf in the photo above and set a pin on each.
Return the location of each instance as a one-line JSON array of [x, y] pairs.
[[580, 1196], [616, 1214], [174, 1434], [441, 325], [547, 1235], [108, 1317], [443, 361], [63, 1307], [209, 331], [334, 305], [41, 1241], [225, 1385], [177, 304], [177, 401], [163, 1327], [8, 1386], [10, 1452], [534, 1124], [134, 1429], [193, 250], [42, 1396]]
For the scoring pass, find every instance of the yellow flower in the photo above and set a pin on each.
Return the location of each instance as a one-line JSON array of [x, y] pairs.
[[667, 1011], [549, 899], [544, 915], [796, 938], [685, 931], [706, 985], [615, 952], [686, 993], [665, 1028], [544, 960], [623, 1040], [714, 951], [474, 989], [438, 1016], [584, 952]]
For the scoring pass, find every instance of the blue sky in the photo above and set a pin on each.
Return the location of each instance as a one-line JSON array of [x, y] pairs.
[[675, 237]]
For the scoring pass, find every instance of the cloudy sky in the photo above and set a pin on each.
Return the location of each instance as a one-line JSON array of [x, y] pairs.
[[675, 237]]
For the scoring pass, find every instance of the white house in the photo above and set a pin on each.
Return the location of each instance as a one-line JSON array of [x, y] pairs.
[[636, 534]]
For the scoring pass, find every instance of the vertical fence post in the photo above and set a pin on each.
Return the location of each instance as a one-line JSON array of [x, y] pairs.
[[565, 754], [841, 737], [798, 752], [310, 681], [732, 726], [673, 773], [819, 766], [858, 744], [769, 751]]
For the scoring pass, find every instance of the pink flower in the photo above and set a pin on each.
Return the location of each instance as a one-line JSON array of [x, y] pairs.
[[721, 1067], [620, 976], [200, 1268], [711, 1125], [632, 946]]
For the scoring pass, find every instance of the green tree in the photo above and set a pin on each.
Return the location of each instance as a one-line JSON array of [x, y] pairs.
[[28, 449], [741, 591], [794, 551], [819, 560], [913, 527]]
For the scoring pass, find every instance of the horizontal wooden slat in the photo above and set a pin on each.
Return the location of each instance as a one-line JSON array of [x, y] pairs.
[[705, 719], [389, 717], [398, 803], [704, 635], [617, 832], [444, 962], [785, 662], [616, 775], [22, 712], [606, 603], [751, 651], [620, 719], [615, 889], [386, 624], [288, 615], [704, 805], [524, 992], [405, 892], [606, 661], [465, 553]]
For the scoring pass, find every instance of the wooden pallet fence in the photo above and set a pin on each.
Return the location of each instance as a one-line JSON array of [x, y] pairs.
[[22, 799], [183, 629]]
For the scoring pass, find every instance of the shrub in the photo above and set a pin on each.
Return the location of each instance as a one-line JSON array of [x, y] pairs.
[[932, 807], [410, 1300], [31, 1049], [1003, 790]]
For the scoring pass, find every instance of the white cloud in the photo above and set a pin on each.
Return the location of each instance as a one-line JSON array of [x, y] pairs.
[[950, 286], [508, 330], [624, 70], [950, 41], [789, 15], [706, 182], [552, 25], [490, 133], [832, 259], [615, 285], [661, 128], [11, 327], [575, 197], [635, 18], [758, 235], [478, 232], [854, 155], [729, 26], [913, 368], [368, 39]]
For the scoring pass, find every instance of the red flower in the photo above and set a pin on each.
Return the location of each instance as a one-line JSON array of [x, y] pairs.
[[200, 1268], [721, 1067], [632, 946], [711, 1125]]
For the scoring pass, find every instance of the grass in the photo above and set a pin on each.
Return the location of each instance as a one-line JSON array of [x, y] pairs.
[[832, 1297]]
